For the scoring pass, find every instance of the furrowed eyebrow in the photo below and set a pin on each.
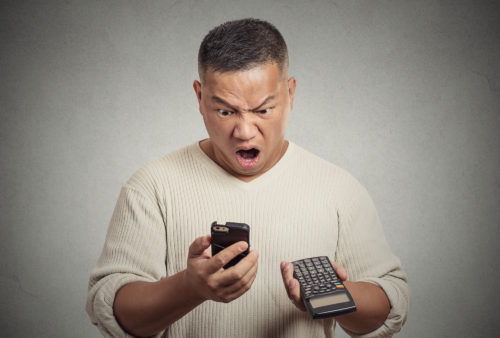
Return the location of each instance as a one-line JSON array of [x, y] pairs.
[[269, 98], [222, 101]]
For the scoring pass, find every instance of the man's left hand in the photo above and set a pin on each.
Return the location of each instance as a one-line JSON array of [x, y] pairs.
[[292, 285]]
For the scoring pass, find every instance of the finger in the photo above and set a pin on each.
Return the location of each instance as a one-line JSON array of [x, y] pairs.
[[225, 256], [207, 253], [285, 266], [242, 282], [198, 246], [233, 294], [294, 288], [339, 269], [239, 270]]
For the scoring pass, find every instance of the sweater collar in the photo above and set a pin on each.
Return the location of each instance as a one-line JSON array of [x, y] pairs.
[[222, 174]]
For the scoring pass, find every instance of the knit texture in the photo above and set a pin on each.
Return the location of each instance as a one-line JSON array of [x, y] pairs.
[[302, 207]]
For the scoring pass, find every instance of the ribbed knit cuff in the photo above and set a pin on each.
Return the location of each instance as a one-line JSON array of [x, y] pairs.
[[101, 310], [397, 315]]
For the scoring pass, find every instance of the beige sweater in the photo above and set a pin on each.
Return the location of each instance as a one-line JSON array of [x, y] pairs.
[[302, 207]]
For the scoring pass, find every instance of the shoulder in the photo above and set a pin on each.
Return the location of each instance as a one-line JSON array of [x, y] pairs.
[[321, 168], [157, 173], [333, 178]]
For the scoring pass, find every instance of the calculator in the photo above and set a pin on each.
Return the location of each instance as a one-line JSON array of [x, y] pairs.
[[322, 291]]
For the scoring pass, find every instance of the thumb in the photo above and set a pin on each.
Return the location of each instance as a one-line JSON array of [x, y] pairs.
[[198, 246], [339, 269], [226, 255]]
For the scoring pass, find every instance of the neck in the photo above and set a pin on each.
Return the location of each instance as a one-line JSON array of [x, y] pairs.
[[208, 148]]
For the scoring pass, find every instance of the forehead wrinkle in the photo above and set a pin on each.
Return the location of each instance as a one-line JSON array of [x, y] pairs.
[[242, 90], [230, 99]]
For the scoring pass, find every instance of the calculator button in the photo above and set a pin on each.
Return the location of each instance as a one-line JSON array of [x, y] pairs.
[[340, 286]]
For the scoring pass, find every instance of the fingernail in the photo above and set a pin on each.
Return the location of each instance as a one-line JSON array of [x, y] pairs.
[[291, 284], [243, 247]]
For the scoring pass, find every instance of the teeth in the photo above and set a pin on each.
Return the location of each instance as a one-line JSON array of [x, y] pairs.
[[247, 155]]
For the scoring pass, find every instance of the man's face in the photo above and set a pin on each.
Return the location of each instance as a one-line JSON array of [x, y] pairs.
[[245, 114]]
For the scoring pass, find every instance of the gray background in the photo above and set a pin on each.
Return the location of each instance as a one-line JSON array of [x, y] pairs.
[[404, 95]]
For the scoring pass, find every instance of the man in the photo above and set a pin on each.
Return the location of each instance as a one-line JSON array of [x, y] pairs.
[[296, 204]]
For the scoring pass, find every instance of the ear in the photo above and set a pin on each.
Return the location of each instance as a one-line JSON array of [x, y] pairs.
[[197, 90], [292, 83]]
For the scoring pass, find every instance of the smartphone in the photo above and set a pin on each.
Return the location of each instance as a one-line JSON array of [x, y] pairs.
[[224, 235]]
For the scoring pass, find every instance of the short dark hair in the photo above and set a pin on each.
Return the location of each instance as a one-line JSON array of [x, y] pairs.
[[241, 45]]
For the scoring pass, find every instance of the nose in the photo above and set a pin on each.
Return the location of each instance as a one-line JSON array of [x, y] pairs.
[[245, 128]]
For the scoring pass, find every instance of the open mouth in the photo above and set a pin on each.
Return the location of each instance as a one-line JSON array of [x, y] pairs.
[[247, 157], [249, 154]]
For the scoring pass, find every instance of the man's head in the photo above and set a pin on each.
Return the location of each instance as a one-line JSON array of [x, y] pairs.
[[244, 96], [241, 45]]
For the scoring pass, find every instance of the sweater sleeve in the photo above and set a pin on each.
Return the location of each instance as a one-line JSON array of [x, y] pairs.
[[364, 252], [134, 250]]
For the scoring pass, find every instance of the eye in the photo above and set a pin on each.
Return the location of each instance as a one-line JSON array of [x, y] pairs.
[[224, 113], [265, 111]]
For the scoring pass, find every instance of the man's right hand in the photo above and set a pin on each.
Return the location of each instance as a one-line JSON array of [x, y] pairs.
[[146, 308], [207, 277]]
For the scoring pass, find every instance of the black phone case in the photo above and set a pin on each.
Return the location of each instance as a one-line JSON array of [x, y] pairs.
[[221, 240]]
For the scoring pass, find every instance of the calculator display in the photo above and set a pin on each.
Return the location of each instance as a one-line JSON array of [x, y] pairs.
[[329, 300]]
